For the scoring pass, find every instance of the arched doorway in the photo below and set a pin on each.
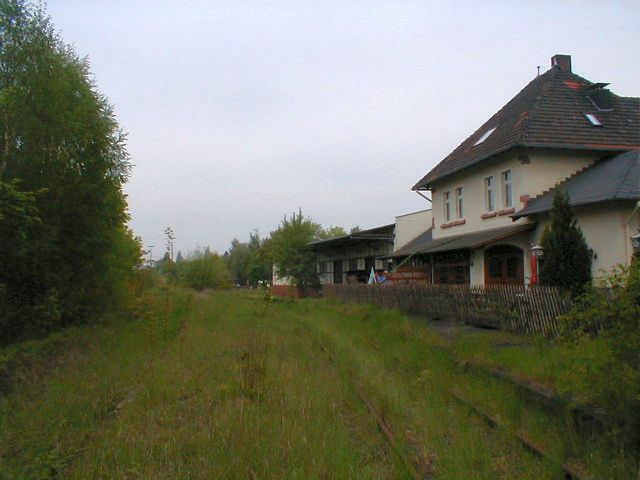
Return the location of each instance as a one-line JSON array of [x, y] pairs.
[[504, 265]]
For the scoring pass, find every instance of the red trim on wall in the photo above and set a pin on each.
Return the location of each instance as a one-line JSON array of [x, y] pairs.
[[484, 216], [285, 291], [453, 224], [507, 211]]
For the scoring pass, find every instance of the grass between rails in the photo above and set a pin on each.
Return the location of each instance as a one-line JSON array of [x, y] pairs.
[[413, 363], [225, 386]]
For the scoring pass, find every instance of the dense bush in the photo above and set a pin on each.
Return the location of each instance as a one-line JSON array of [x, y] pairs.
[[610, 312], [201, 270], [291, 253], [65, 251]]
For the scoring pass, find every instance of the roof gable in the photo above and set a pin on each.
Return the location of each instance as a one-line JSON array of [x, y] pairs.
[[549, 113]]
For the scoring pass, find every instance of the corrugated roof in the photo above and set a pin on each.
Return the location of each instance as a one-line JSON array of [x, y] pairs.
[[384, 232], [617, 178], [548, 113]]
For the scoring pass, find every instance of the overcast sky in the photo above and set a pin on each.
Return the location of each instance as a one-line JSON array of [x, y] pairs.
[[239, 112]]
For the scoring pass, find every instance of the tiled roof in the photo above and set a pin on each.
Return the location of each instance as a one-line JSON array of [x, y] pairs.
[[548, 113], [615, 179]]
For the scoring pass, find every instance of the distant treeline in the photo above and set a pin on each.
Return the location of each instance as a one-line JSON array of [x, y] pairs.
[[284, 252], [200, 269], [65, 252]]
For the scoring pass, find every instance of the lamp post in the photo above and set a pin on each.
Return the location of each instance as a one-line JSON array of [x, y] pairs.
[[536, 252]]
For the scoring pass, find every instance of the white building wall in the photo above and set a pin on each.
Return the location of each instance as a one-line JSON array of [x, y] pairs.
[[532, 177], [276, 280], [607, 228], [411, 225]]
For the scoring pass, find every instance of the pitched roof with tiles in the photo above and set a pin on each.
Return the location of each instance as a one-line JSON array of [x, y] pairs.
[[548, 113], [615, 179]]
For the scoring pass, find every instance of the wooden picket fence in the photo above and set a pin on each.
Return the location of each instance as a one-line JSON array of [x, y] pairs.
[[516, 308]]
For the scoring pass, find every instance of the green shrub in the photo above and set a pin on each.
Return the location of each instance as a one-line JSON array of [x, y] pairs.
[[610, 310], [203, 269]]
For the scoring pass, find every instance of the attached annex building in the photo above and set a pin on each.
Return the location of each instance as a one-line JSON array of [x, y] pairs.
[[350, 258]]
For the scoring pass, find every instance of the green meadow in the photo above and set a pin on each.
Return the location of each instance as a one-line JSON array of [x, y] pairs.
[[230, 385]]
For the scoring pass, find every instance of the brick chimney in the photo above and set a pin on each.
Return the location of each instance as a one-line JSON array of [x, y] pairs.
[[561, 61]]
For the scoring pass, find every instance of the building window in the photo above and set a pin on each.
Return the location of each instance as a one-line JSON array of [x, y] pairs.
[[507, 192], [446, 199], [489, 194], [484, 136], [594, 120], [451, 268], [460, 202]]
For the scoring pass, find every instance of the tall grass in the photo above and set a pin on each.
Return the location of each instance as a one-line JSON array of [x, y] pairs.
[[225, 385]]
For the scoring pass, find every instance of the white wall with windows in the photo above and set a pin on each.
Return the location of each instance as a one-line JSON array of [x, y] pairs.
[[490, 190]]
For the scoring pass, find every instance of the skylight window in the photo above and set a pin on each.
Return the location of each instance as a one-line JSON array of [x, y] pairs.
[[595, 121], [484, 136]]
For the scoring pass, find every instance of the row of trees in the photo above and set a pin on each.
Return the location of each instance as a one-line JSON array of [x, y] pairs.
[[65, 250]]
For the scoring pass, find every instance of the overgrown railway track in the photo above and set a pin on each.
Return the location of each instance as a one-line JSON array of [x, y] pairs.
[[420, 469]]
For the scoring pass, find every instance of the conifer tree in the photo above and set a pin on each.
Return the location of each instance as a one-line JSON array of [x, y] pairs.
[[567, 257]]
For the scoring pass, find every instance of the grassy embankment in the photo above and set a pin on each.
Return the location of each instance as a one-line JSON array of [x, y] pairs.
[[227, 386]]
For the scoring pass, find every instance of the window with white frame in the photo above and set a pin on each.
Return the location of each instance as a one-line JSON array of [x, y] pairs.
[[489, 194], [507, 192], [460, 202], [446, 203]]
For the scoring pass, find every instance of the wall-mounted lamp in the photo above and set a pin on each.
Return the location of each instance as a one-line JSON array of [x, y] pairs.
[[635, 243], [537, 251]]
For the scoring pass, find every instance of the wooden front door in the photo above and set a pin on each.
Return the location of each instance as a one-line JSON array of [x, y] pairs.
[[504, 265]]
